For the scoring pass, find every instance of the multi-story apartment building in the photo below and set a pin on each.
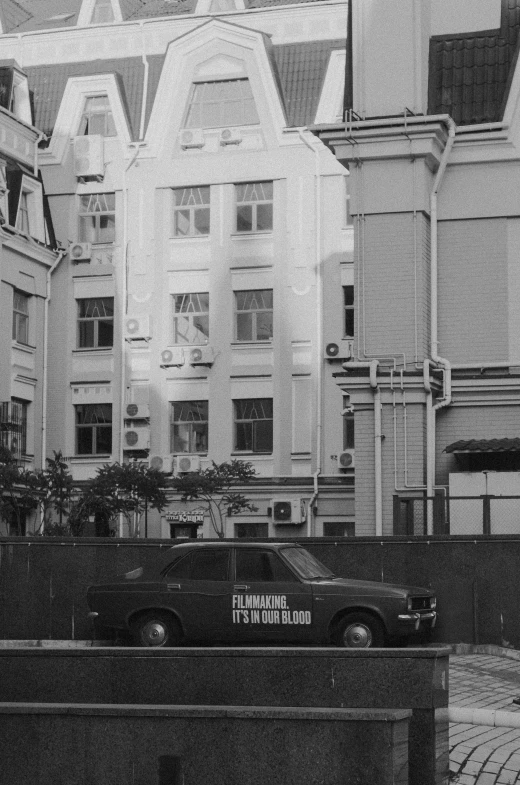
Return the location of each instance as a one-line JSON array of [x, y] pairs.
[[26, 261], [208, 291], [432, 145]]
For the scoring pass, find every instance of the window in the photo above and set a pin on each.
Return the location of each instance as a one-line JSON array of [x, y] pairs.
[[252, 530], [191, 211], [97, 116], [254, 315], [191, 318], [254, 207], [20, 317], [348, 428], [22, 218], [97, 219], [254, 425], [13, 426], [339, 529], [256, 565], [189, 427], [348, 304], [96, 323], [221, 103], [94, 429], [103, 12], [206, 565]]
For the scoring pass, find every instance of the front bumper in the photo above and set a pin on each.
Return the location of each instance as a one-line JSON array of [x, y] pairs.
[[407, 620]]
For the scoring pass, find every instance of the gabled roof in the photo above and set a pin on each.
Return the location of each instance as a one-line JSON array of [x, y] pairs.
[[470, 73], [484, 445], [23, 15], [301, 68]]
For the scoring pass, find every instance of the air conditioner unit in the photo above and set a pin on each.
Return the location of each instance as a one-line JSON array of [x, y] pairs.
[[136, 438], [186, 463], [79, 252], [201, 355], [192, 137], [137, 328], [89, 159], [163, 463], [137, 411], [230, 136], [174, 356], [340, 351], [346, 460], [288, 510]]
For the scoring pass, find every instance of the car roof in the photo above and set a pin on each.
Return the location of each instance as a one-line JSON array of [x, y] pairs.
[[227, 543]]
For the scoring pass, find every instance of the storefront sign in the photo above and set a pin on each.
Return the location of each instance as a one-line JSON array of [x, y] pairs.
[[186, 516]]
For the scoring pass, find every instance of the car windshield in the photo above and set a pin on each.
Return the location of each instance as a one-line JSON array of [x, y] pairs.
[[305, 564]]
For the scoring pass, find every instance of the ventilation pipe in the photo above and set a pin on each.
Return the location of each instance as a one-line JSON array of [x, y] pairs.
[[434, 313], [378, 438]]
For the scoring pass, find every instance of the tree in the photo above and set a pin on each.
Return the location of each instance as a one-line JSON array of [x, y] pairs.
[[57, 489], [213, 486], [130, 488], [19, 490]]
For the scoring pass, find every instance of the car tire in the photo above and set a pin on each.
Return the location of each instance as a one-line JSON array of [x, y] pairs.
[[156, 628], [360, 631]]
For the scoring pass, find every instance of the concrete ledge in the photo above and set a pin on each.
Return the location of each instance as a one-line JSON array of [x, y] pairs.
[[481, 648], [489, 717], [237, 712]]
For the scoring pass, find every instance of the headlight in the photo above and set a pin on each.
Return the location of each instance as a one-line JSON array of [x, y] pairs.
[[409, 603], [433, 603]]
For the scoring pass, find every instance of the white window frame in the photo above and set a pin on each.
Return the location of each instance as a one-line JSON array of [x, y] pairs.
[[219, 122], [31, 193], [21, 317], [191, 209], [254, 312], [94, 320], [107, 114], [191, 316], [87, 11], [256, 402], [191, 447], [85, 214], [93, 426], [254, 208]]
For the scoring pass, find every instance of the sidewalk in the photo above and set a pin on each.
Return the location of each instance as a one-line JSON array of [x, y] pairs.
[[486, 678]]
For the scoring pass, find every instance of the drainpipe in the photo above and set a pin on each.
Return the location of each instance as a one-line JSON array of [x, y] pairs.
[[434, 307], [378, 438], [145, 82], [61, 254], [310, 526]]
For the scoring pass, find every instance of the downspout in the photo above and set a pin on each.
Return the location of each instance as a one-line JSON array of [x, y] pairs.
[[434, 307], [310, 517], [145, 83], [378, 438], [61, 254]]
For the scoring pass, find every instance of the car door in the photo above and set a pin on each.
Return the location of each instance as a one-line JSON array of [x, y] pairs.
[[198, 587], [269, 602]]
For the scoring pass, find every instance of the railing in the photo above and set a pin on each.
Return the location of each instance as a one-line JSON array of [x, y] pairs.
[[13, 428], [445, 514]]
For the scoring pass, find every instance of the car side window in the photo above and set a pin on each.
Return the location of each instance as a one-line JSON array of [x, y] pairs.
[[255, 565], [180, 569], [210, 565]]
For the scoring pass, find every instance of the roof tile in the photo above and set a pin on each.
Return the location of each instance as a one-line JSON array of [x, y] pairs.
[[484, 445]]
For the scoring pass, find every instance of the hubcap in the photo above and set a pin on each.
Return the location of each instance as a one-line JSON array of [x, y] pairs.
[[154, 634], [357, 636]]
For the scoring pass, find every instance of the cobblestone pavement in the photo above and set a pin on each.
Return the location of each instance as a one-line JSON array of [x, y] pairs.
[[479, 754]]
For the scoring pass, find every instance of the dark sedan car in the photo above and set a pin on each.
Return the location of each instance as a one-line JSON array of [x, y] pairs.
[[230, 592]]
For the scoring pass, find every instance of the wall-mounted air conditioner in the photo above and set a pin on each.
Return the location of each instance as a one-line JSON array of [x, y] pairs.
[[287, 510], [191, 137], [80, 252], [89, 158], [340, 351], [201, 355], [186, 463], [137, 328], [230, 136], [346, 459], [137, 411], [163, 463], [172, 357], [136, 438]]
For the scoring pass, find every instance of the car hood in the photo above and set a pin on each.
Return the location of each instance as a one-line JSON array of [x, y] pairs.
[[330, 586]]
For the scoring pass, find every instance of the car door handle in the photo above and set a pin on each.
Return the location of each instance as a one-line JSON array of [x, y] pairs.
[[240, 587], [172, 586]]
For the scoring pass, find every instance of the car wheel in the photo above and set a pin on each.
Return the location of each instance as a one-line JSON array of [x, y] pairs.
[[156, 629], [360, 631]]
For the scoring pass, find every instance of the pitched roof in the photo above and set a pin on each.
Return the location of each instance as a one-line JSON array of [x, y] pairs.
[[23, 15], [484, 445], [470, 73], [301, 69]]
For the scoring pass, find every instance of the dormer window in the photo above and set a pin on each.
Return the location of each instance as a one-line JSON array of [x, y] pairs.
[[14, 91], [102, 13], [97, 117], [217, 104]]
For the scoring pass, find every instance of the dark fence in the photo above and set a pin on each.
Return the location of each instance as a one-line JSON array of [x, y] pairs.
[[43, 581], [444, 514]]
